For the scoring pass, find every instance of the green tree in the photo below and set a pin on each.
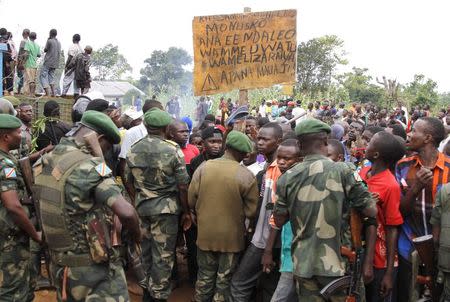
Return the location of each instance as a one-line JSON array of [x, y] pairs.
[[421, 91], [109, 63], [317, 60], [166, 68], [357, 83], [130, 96]]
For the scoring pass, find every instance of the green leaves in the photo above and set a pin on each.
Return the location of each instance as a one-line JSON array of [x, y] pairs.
[[109, 63]]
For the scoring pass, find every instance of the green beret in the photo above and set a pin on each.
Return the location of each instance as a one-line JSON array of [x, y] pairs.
[[14, 101], [311, 125], [239, 142], [8, 121], [157, 118], [102, 124]]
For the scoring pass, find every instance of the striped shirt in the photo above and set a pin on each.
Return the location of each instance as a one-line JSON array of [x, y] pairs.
[[417, 222]]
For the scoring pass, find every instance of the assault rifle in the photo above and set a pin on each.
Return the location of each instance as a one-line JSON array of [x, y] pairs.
[[356, 257], [133, 250], [27, 174]]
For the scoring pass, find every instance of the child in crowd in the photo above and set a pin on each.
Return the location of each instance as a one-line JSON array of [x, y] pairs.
[[288, 155], [383, 151]]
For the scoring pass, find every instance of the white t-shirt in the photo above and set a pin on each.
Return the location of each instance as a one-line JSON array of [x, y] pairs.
[[131, 136], [74, 50], [297, 111]]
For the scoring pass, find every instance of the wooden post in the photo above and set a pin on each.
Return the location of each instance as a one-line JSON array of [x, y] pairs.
[[3, 47], [243, 93]]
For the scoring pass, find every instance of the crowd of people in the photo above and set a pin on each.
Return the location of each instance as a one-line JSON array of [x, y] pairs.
[[264, 200], [21, 65]]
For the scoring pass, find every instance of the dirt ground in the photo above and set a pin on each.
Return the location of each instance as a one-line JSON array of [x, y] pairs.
[[183, 293]]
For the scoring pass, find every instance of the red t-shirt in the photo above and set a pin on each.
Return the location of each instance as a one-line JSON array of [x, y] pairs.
[[388, 206], [190, 151]]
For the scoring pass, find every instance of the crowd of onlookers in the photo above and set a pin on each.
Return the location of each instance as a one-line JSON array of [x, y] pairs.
[[23, 68]]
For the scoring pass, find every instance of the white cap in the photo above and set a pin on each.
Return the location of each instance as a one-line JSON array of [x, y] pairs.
[[133, 114]]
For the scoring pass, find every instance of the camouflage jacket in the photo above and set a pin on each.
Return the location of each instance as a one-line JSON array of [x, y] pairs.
[[10, 180], [90, 186], [156, 166], [313, 194]]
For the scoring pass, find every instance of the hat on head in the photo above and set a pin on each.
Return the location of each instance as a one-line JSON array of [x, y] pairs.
[[102, 124], [7, 121], [309, 126], [157, 118], [188, 122], [6, 107], [133, 114], [239, 113], [239, 142], [209, 132], [14, 101]]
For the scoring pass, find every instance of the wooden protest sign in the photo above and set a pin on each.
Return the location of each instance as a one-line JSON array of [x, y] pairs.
[[243, 51]]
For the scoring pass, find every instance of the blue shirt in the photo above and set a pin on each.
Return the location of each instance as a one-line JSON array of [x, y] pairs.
[[286, 243]]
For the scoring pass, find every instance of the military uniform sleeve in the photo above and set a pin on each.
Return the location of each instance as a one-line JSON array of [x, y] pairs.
[[179, 168], [442, 201], [8, 176], [92, 178], [355, 190], [281, 206]]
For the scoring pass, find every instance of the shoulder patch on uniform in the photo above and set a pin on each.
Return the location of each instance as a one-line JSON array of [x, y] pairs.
[[102, 169], [10, 173], [357, 177]]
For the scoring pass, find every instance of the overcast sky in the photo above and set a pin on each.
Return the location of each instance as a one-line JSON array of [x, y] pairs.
[[393, 38]]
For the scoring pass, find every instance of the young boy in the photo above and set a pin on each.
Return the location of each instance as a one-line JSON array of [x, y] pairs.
[[288, 155], [383, 151]]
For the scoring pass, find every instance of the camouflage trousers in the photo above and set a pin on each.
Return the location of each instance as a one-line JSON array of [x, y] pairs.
[[446, 292], [308, 289], [15, 270], [215, 270], [98, 282], [158, 252]]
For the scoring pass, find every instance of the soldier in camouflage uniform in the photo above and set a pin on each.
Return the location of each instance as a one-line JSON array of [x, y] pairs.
[[311, 196], [157, 181], [16, 229], [440, 219], [78, 227]]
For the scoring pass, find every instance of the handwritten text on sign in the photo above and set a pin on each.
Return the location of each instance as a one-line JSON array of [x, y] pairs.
[[243, 51]]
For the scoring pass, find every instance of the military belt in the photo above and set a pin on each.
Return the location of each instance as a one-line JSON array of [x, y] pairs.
[[71, 260]]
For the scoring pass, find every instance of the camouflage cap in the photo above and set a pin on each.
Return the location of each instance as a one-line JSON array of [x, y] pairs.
[[312, 125], [157, 118], [102, 124], [239, 142], [8, 121]]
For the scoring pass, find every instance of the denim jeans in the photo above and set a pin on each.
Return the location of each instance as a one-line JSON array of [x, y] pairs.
[[246, 276], [47, 76], [285, 291]]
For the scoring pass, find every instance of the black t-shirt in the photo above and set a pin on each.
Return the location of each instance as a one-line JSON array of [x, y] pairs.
[[54, 131]]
